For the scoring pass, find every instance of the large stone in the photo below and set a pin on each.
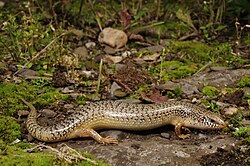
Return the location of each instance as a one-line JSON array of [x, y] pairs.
[[113, 37]]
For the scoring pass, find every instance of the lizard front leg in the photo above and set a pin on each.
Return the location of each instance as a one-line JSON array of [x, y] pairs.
[[83, 132]]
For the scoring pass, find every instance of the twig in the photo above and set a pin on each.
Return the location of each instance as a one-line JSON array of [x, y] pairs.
[[203, 68], [99, 77], [64, 152], [40, 52]]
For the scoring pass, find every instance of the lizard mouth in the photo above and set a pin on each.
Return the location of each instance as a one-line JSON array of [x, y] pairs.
[[221, 126], [215, 124]]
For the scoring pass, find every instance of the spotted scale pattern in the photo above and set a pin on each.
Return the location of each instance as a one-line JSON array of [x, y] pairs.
[[119, 115]]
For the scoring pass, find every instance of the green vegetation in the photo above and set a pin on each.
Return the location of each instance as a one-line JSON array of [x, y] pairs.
[[17, 155], [243, 132], [25, 35], [10, 93], [9, 129], [244, 81], [169, 70], [210, 91], [174, 93], [201, 53], [230, 90]]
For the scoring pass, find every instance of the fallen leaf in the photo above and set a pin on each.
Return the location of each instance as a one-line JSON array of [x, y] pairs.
[[125, 18], [152, 57], [154, 97], [134, 36]]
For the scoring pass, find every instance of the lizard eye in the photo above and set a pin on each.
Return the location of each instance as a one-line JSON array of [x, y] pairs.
[[212, 120]]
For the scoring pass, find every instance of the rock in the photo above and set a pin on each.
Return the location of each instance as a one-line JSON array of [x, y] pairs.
[[165, 135], [182, 154], [222, 104], [189, 89], [126, 53], [82, 53], [152, 57], [230, 111], [48, 113], [202, 136], [86, 73], [109, 50], [69, 106], [113, 59], [90, 45], [219, 68], [116, 90], [156, 48], [2, 4], [27, 73], [113, 37], [67, 90]]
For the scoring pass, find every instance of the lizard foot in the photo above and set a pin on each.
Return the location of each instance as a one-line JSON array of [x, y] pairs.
[[109, 140]]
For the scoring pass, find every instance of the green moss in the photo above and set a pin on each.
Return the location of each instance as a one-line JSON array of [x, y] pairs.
[[210, 91], [174, 93], [172, 29], [230, 90], [170, 70], [9, 96], [198, 52], [16, 156], [242, 132], [10, 104], [9, 129], [214, 107], [244, 81]]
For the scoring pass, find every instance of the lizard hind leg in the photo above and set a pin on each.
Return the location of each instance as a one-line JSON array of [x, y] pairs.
[[178, 128], [83, 132]]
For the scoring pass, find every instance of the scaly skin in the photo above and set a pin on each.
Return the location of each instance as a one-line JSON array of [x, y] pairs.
[[119, 115]]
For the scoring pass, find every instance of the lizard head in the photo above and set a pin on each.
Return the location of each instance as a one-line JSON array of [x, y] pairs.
[[205, 120]]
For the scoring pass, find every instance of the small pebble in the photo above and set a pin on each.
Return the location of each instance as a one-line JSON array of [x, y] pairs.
[[230, 111], [49, 112], [90, 44], [68, 106], [202, 136], [165, 135]]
